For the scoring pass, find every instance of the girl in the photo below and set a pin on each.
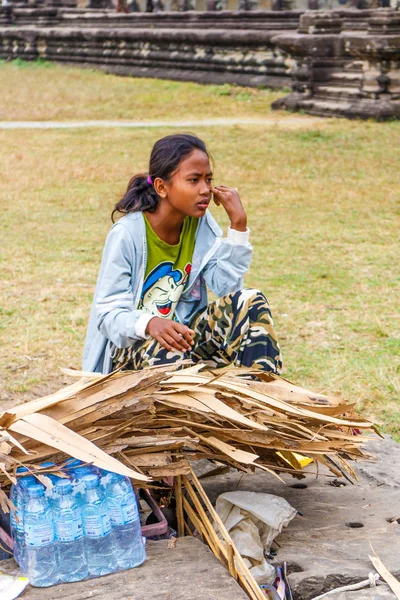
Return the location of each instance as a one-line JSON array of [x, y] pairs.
[[150, 304]]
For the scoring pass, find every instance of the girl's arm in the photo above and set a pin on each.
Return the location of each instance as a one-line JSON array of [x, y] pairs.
[[225, 271], [229, 198], [117, 287]]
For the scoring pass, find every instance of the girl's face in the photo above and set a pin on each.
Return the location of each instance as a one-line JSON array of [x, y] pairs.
[[189, 190]]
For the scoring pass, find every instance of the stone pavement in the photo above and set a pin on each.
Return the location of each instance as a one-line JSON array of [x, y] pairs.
[[325, 548], [328, 546], [187, 572]]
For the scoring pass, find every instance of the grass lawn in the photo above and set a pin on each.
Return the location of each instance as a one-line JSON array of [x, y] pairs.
[[28, 92], [323, 204]]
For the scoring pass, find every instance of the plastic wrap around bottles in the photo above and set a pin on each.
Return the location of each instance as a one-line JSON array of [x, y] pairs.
[[40, 558], [72, 564], [86, 524], [125, 521]]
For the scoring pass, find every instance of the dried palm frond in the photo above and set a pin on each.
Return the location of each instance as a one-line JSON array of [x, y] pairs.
[[147, 424]]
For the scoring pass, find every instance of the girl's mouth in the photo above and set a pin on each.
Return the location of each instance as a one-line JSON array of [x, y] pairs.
[[203, 205]]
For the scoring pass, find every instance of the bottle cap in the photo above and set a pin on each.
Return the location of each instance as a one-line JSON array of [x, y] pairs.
[[64, 486], [90, 481], [116, 476], [34, 491], [52, 476], [27, 481], [80, 472], [22, 470]]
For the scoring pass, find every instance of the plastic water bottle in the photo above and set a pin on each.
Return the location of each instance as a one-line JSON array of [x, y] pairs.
[[22, 494], [76, 467], [72, 565], [50, 493], [99, 539], [40, 555], [18, 498], [77, 470], [15, 516], [125, 521]]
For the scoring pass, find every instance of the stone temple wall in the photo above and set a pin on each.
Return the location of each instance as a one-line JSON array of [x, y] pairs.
[[343, 62], [206, 47], [206, 5], [193, 20]]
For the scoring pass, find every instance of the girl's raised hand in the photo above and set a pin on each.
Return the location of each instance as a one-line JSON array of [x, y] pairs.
[[171, 335], [230, 200]]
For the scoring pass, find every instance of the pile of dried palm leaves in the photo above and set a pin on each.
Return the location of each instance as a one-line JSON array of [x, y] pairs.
[[147, 424]]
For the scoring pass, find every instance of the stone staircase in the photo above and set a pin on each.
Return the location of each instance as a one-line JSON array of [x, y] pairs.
[[341, 90], [347, 64]]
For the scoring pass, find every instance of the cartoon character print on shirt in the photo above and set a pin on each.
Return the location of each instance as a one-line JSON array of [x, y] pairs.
[[162, 289]]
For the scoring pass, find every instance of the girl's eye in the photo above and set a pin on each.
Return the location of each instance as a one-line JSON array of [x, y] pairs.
[[193, 180]]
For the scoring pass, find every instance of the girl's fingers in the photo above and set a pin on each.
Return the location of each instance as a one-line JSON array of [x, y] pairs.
[[189, 337], [166, 341], [175, 336], [185, 333], [217, 197], [222, 188], [163, 343], [183, 328], [217, 190], [173, 342], [180, 341]]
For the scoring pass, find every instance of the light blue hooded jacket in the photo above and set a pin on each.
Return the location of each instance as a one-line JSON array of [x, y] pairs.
[[218, 263]]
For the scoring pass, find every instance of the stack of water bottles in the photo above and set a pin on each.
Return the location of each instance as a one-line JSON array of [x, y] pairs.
[[87, 524]]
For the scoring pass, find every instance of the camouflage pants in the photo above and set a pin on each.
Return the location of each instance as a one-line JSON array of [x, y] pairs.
[[235, 329]]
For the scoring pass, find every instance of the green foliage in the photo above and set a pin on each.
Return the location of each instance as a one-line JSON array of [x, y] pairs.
[[39, 62], [43, 63], [221, 90], [314, 136], [243, 96], [20, 63]]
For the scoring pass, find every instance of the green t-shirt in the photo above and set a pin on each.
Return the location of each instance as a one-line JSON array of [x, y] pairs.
[[167, 270]]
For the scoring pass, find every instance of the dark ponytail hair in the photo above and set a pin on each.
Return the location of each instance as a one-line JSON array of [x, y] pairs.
[[165, 158]]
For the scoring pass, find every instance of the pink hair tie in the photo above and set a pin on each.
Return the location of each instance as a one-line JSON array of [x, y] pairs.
[[149, 180]]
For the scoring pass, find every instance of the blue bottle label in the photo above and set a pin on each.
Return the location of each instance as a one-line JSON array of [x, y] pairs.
[[123, 514], [69, 531], [131, 511], [39, 534], [96, 525]]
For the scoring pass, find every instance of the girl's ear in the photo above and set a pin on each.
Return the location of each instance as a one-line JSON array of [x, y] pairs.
[[160, 187]]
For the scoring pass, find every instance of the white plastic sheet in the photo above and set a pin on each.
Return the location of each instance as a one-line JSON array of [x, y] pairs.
[[253, 520], [11, 587]]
